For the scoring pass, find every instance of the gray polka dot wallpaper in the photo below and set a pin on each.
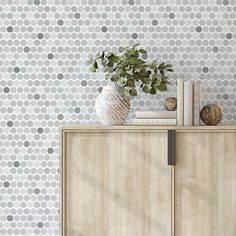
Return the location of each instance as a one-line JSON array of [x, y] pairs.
[[45, 82]]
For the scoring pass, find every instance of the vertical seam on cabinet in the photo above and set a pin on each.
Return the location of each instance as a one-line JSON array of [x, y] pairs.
[[172, 201]]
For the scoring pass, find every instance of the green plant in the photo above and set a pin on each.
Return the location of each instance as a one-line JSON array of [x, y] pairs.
[[128, 70]]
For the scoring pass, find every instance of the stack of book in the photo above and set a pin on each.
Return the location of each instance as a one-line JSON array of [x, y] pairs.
[[155, 118], [188, 102]]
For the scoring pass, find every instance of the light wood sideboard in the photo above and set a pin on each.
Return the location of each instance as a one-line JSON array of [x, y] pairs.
[[148, 181]]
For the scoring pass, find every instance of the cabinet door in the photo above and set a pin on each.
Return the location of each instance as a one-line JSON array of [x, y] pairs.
[[116, 184], [205, 184]]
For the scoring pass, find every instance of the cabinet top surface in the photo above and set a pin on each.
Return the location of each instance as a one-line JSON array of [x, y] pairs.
[[156, 128]]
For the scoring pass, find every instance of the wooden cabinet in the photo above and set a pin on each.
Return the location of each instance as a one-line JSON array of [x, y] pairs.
[[205, 184], [116, 181]]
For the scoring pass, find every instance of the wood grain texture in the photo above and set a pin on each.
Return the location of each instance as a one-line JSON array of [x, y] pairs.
[[116, 184], [155, 128], [205, 184]]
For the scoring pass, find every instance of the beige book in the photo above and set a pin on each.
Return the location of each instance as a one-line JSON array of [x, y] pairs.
[[180, 102], [154, 122], [155, 115], [188, 103], [197, 103]]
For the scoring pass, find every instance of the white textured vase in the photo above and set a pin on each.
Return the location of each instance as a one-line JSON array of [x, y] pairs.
[[112, 107]]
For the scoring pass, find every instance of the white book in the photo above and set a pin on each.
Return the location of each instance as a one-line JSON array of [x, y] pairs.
[[188, 103], [155, 114], [180, 102], [154, 122], [197, 103]]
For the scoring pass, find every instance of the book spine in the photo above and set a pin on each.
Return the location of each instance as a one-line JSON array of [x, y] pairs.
[[137, 121], [155, 115], [180, 102], [188, 103], [154, 121], [197, 102]]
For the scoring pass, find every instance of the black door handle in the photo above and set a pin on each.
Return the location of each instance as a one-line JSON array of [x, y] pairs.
[[171, 147]]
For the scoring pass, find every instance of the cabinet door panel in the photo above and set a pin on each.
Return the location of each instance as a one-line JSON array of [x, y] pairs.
[[116, 184], [205, 184]]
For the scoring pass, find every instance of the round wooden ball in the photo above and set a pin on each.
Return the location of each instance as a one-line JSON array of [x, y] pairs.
[[211, 114], [170, 104]]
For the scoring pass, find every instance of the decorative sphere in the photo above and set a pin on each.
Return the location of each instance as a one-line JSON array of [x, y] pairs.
[[211, 114], [170, 104]]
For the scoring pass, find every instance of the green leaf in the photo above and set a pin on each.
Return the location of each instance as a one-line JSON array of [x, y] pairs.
[[152, 66], [93, 69], [161, 66], [140, 61], [137, 77], [132, 61], [112, 57], [125, 91], [103, 62], [103, 55], [90, 61], [162, 87], [164, 78], [145, 80], [133, 92], [142, 51], [121, 72], [114, 78], [155, 76], [162, 73], [95, 64], [133, 53], [146, 89], [168, 65], [121, 81], [143, 72], [110, 64], [136, 45], [97, 55], [108, 77], [110, 54], [130, 83], [156, 83], [100, 55], [152, 91], [170, 70], [116, 59], [167, 82]]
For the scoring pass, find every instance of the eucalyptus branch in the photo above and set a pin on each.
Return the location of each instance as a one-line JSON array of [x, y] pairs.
[[128, 68]]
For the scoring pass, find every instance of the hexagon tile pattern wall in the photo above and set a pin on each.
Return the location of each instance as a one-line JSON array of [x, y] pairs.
[[45, 83]]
